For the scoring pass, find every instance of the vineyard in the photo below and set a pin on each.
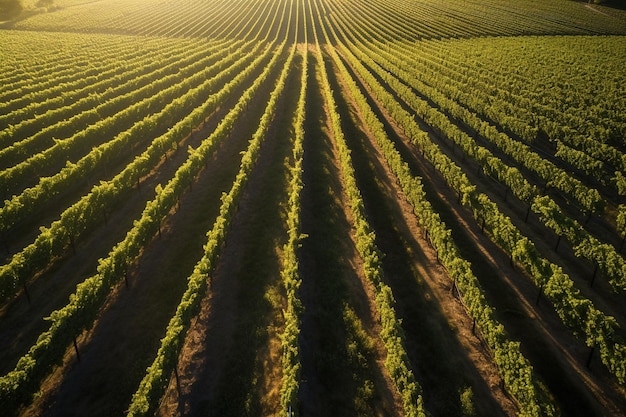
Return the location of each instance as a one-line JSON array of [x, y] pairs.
[[312, 208]]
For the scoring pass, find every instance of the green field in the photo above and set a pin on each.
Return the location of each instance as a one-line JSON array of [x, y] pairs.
[[312, 208]]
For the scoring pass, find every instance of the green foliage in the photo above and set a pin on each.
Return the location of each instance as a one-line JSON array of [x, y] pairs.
[[467, 402], [610, 262], [445, 82], [386, 55], [90, 295], [577, 312], [289, 391]]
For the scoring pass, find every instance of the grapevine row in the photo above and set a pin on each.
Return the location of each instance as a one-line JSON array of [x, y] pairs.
[[48, 123], [67, 323], [157, 376], [397, 361], [37, 105], [518, 110], [84, 214], [57, 81], [576, 311], [90, 295], [515, 369], [89, 209], [441, 66], [92, 127], [587, 246], [478, 18], [587, 198], [424, 19], [290, 272]]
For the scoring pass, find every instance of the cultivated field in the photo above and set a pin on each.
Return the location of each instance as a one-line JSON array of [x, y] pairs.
[[313, 208]]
